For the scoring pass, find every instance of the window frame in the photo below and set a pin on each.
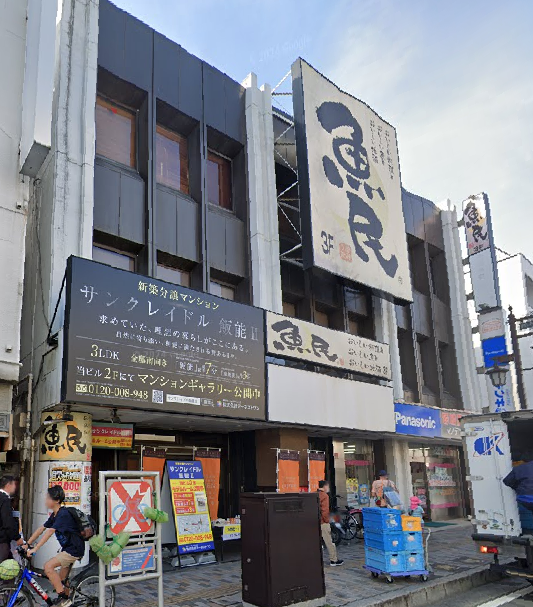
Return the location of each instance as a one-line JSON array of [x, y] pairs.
[[225, 285], [221, 161], [127, 113], [130, 256], [173, 269], [167, 133]]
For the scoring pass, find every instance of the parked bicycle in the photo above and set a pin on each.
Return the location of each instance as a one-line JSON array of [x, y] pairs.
[[346, 524], [23, 590]]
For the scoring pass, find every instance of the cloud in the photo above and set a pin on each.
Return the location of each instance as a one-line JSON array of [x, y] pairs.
[[458, 86]]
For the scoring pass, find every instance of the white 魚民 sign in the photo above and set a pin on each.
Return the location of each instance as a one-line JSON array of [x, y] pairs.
[[476, 225], [351, 211], [303, 340]]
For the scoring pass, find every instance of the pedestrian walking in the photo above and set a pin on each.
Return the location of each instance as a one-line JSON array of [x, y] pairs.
[[385, 492], [325, 526], [9, 525]]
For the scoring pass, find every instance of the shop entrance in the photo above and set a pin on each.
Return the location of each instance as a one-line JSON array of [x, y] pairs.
[[437, 480]]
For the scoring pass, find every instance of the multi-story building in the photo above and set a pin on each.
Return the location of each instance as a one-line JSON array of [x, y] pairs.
[[162, 168], [13, 208]]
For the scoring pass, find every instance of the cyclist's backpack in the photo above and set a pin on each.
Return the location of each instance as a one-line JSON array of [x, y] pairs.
[[86, 525]]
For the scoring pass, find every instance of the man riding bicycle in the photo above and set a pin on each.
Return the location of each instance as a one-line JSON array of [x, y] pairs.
[[62, 523]]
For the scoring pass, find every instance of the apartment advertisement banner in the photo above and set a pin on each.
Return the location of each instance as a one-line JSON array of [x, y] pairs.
[[189, 502], [210, 460], [316, 465], [288, 471], [349, 183], [144, 343], [112, 436], [303, 340]]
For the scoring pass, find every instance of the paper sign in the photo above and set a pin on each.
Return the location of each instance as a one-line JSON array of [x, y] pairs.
[[231, 532], [133, 559]]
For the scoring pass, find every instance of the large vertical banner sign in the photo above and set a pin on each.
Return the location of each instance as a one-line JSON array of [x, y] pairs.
[[349, 186], [317, 469], [189, 502], [154, 460], [66, 439], [288, 471], [210, 459]]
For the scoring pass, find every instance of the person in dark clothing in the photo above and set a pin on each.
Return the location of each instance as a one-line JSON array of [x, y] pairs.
[[521, 480], [9, 525], [62, 523]]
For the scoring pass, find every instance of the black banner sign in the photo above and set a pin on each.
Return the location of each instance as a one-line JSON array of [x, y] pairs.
[[141, 342]]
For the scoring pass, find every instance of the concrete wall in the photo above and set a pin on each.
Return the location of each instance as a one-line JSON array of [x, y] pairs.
[[61, 219], [13, 198]]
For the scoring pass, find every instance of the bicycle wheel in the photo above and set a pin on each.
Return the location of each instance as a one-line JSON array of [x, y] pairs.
[[351, 527], [24, 598], [86, 593]]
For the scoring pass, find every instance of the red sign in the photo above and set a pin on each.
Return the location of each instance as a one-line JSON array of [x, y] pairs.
[[126, 503], [112, 436]]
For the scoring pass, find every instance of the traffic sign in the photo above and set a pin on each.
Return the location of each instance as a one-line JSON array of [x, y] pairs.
[[127, 500]]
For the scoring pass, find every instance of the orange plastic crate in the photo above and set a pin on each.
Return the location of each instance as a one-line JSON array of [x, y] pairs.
[[411, 523]]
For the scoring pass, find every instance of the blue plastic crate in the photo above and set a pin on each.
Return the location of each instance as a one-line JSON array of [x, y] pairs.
[[388, 562], [382, 519], [412, 540], [414, 560], [388, 542]]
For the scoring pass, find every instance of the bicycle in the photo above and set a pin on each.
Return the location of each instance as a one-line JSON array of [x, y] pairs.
[[346, 525], [83, 587]]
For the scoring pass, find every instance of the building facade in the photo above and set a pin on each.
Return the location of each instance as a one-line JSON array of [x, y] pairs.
[[177, 181]]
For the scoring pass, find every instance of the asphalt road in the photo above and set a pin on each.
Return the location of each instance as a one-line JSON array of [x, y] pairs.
[[518, 598]]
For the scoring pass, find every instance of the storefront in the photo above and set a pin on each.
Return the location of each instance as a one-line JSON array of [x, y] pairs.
[[359, 467], [437, 474]]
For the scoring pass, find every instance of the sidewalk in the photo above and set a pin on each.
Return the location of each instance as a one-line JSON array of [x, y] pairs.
[[453, 556]]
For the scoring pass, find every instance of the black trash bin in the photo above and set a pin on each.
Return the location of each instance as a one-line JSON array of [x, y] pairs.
[[281, 549]]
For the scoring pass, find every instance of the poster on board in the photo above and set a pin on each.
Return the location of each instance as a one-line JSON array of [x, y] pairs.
[[191, 511]]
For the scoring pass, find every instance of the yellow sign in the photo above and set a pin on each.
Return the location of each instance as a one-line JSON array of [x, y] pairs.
[[231, 532], [65, 440], [189, 501]]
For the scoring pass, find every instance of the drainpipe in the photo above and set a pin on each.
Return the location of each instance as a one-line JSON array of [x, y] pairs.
[[28, 457]]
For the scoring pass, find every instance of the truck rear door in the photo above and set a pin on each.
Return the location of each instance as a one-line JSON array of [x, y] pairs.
[[489, 460]]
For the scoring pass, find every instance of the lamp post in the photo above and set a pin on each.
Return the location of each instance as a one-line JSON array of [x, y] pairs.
[[498, 375]]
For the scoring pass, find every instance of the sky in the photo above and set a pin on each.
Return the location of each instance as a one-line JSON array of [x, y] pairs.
[[454, 77]]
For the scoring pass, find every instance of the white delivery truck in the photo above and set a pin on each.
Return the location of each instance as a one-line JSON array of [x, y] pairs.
[[493, 442]]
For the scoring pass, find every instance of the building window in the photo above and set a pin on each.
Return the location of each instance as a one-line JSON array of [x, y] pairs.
[[321, 318], [353, 325], [172, 160], [225, 291], [173, 275], [115, 133], [219, 181], [289, 309], [114, 258]]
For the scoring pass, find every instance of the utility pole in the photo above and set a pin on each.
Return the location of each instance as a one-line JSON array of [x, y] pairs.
[[517, 360]]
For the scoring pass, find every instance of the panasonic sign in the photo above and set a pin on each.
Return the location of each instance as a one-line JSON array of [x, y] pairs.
[[416, 420]]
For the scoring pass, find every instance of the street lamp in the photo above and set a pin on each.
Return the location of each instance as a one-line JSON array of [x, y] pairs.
[[498, 375]]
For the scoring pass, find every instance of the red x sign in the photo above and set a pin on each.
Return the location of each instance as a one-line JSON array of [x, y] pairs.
[[126, 502]]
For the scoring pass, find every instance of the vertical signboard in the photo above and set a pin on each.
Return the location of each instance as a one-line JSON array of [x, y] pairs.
[[288, 471], [210, 459], [191, 511], [66, 439], [349, 186], [317, 468]]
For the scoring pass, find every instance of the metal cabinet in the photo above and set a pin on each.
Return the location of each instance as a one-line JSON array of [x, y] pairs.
[[281, 549]]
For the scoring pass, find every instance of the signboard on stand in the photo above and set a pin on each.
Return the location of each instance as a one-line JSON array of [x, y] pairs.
[[133, 559], [126, 500], [191, 511], [144, 343]]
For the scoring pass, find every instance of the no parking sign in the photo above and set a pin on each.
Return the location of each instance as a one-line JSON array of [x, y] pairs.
[[126, 502]]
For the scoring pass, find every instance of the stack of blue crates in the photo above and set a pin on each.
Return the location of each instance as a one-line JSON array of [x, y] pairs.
[[388, 548]]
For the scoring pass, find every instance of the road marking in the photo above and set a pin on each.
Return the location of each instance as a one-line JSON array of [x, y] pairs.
[[508, 597]]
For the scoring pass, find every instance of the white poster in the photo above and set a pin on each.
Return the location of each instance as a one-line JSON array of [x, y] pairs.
[[303, 340], [353, 225], [491, 324]]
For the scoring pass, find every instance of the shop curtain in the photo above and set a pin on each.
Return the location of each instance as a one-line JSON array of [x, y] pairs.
[[317, 468], [153, 460], [210, 459], [288, 471]]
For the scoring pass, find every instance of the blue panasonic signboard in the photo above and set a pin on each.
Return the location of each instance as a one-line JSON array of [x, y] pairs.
[[495, 346], [416, 420]]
